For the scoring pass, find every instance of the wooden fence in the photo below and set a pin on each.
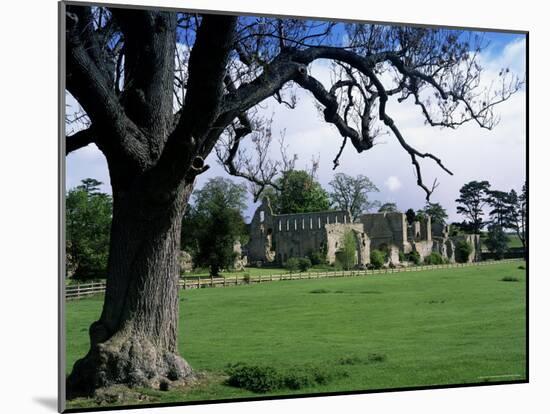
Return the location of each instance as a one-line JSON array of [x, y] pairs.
[[84, 289], [88, 289]]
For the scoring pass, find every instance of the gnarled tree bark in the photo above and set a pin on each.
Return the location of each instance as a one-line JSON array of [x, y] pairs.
[[135, 340]]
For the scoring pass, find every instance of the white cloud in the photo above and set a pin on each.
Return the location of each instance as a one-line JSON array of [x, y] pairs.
[[393, 183]]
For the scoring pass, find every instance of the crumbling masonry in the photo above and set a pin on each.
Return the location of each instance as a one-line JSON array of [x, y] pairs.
[[274, 238]]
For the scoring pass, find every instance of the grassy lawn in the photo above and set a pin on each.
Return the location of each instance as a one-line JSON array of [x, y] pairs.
[[513, 240], [433, 327]]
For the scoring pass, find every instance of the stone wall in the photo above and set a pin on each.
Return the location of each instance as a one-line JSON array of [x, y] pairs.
[[385, 229], [334, 238], [277, 237], [423, 247], [185, 262], [475, 241]]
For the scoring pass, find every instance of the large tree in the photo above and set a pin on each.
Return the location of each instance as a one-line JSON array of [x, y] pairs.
[[518, 214], [160, 90], [497, 240], [473, 197], [298, 192], [351, 193], [502, 209]]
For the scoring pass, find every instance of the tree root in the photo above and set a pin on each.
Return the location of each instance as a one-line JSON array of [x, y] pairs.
[[130, 360]]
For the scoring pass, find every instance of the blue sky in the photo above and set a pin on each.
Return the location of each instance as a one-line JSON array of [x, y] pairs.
[[498, 156]]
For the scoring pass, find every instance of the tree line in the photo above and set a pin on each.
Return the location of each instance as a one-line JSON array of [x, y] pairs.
[[215, 217], [507, 211]]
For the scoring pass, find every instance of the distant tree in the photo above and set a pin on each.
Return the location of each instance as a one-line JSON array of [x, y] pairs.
[[502, 209], [518, 214], [497, 240], [214, 222], [90, 186], [88, 226], [471, 202], [461, 227], [351, 193], [437, 213], [218, 192], [347, 254], [411, 216], [388, 208], [299, 193]]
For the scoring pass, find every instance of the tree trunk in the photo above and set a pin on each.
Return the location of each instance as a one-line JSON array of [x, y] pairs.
[[135, 340]]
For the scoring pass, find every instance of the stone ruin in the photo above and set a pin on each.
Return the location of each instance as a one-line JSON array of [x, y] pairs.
[[274, 238]]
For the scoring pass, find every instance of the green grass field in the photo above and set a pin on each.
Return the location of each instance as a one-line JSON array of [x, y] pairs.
[[513, 240], [435, 327]]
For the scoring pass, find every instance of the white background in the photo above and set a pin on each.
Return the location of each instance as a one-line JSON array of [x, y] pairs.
[[28, 208]]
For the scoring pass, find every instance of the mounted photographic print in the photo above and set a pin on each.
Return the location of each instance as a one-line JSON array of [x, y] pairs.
[[259, 207]]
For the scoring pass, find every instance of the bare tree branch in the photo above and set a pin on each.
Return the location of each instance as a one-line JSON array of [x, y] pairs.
[[79, 140]]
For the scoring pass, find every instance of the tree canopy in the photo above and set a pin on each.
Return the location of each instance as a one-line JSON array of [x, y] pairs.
[[351, 193], [388, 208], [518, 214], [213, 224], [473, 197], [298, 192], [88, 226], [411, 216], [436, 211]]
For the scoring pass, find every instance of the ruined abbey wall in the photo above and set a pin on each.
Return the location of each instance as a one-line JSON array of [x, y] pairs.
[[385, 229], [274, 238], [277, 237]]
